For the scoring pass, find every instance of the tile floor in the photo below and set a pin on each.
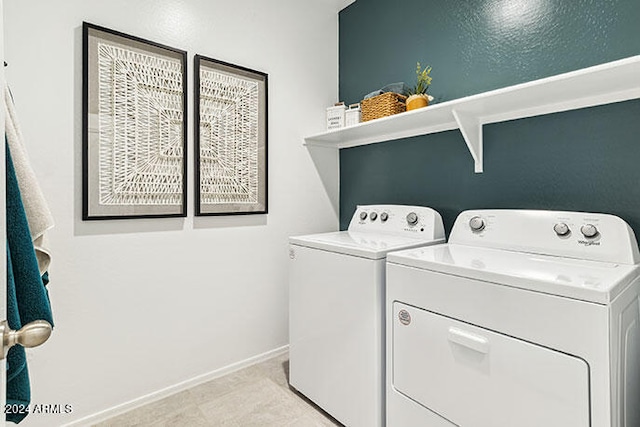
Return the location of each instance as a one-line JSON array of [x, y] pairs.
[[255, 396]]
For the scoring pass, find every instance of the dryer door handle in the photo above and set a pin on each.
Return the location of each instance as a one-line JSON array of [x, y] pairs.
[[469, 340]]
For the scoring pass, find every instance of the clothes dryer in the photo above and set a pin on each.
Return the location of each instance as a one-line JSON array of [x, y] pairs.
[[524, 318], [336, 317]]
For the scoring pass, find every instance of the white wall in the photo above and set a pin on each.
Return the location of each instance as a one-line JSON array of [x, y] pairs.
[[141, 305]]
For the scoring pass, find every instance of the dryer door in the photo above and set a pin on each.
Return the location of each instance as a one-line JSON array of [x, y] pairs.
[[475, 377]]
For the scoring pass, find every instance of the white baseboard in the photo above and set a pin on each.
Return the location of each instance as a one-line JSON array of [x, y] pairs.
[[168, 391]]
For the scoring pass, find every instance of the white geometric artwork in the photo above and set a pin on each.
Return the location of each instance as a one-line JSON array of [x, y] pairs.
[[228, 139], [140, 119], [231, 142], [134, 127]]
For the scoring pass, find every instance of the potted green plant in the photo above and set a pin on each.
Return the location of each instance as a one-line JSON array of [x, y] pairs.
[[417, 96]]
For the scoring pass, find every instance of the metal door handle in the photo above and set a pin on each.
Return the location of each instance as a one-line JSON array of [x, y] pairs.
[[30, 335]]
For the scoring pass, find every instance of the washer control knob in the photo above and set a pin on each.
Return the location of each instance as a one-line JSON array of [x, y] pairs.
[[589, 230], [373, 216], [363, 216], [384, 216], [561, 229], [412, 218], [476, 223]]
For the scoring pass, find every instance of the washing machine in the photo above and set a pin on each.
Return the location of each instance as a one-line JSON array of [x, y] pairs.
[[524, 318], [336, 308]]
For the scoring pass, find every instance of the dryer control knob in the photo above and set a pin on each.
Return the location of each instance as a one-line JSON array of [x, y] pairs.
[[373, 216], [589, 230], [384, 216], [412, 218], [363, 216], [561, 229], [476, 223]]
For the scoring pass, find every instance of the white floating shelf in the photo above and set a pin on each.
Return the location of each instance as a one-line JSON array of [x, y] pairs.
[[602, 84]]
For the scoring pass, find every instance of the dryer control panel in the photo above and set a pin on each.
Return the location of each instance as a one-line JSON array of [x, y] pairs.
[[589, 236], [419, 221]]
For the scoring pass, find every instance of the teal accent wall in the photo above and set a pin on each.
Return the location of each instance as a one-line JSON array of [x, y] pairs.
[[583, 160]]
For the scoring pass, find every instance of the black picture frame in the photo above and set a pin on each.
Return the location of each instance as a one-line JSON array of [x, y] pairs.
[[231, 138], [134, 140]]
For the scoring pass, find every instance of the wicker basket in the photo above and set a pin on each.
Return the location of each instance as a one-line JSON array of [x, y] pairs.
[[387, 104]]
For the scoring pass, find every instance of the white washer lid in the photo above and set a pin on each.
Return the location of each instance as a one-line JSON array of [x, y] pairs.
[[365, 245], [594, 281]]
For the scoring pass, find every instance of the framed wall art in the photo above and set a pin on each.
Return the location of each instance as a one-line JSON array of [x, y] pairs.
[[230, 138], [134, 127]]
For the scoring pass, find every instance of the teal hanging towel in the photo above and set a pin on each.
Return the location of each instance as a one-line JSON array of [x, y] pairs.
[[27, 297]]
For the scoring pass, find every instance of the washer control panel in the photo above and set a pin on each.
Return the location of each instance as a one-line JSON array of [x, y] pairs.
[[418, 221], [592, 236]]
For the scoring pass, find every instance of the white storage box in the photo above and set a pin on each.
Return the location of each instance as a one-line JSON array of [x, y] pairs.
[[335, 116], [353, 115]]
